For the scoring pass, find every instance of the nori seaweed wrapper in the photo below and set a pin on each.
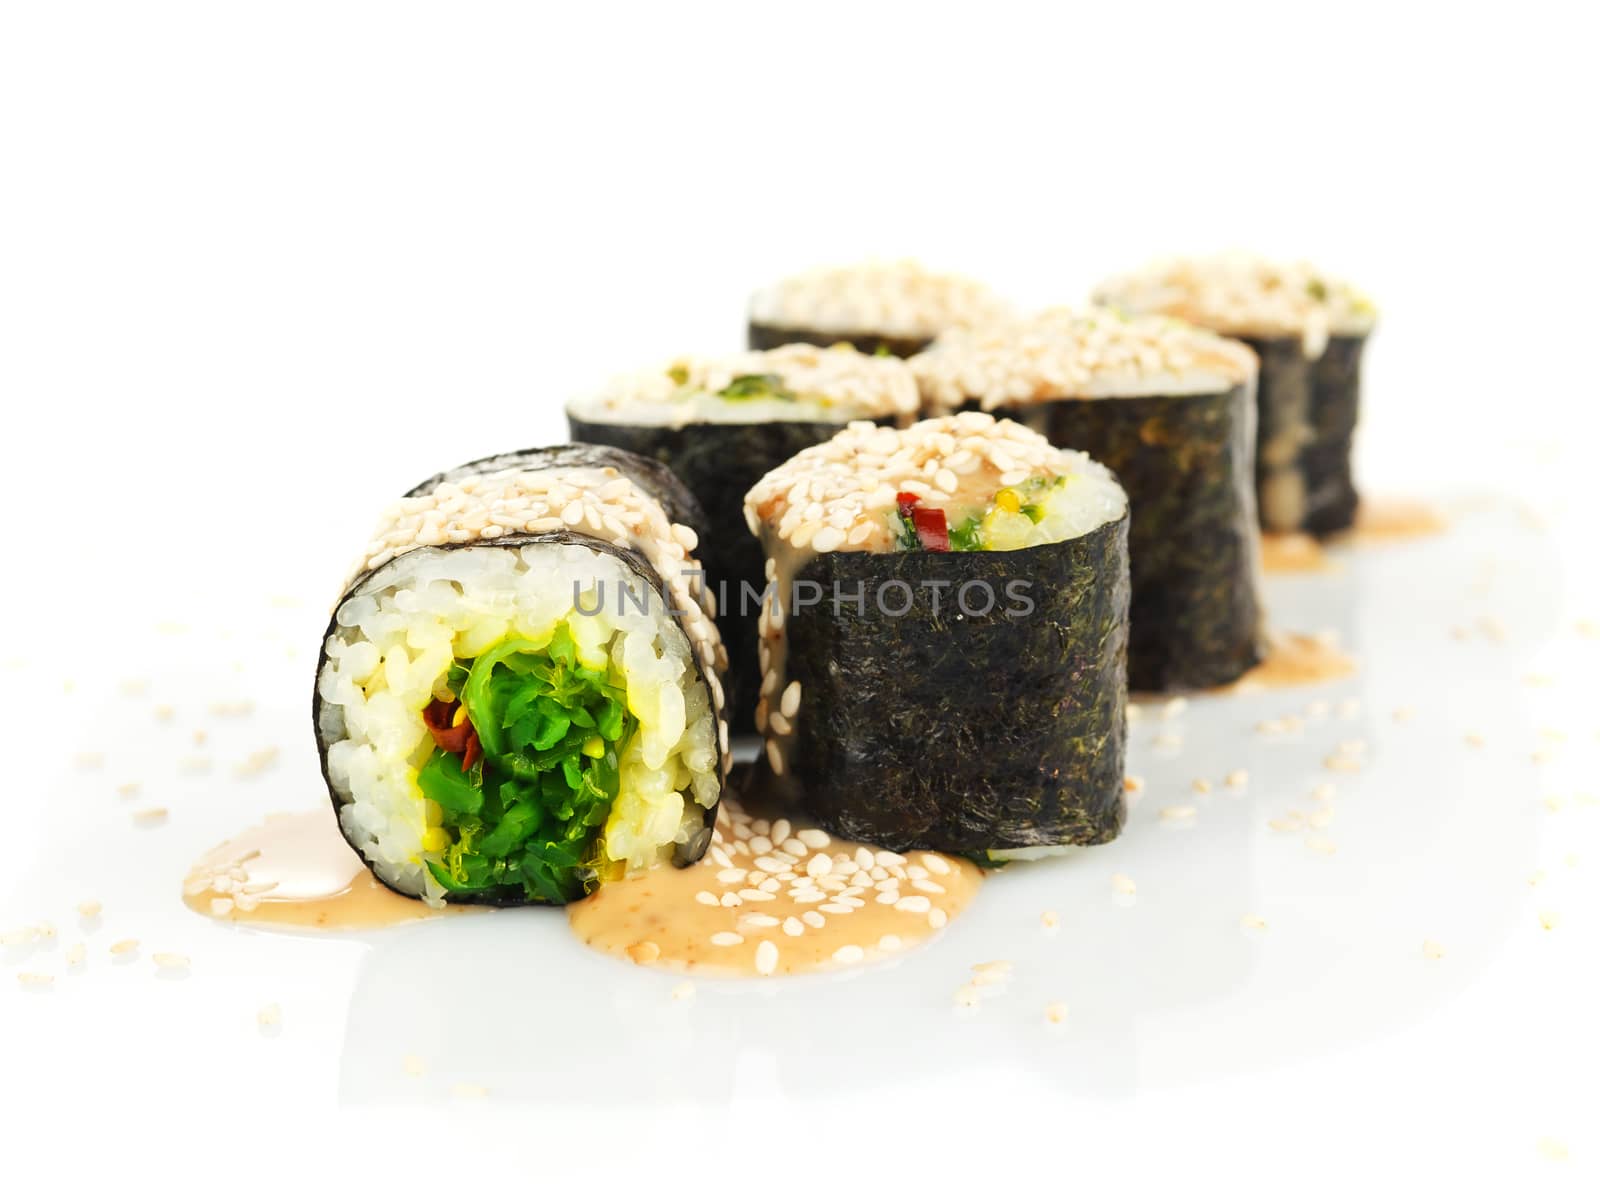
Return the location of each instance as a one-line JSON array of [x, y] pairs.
[[652, 477], [719, 463], [761, 336], [961, 731], [1194, 547], [1308, 413]]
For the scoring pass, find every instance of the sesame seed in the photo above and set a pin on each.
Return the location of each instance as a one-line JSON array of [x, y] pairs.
[[793, 927], [937, 918], [1432, 950], [1253, 922], [706, 898], [89, 908], [914, 903], [967, 997], [1202, 786], [766, 957], [1049, 920], [413, 1065], [1325, 792], [1321, 844], [269, 1016], [1237, 778], [1055, 1012], [1133, 784], [1123, 884], [1548, 919], [170, 961], [812, 838], [683, 990], [991, 972], [76, 954], [848, 954], [812, 919], [125, 947], [35, 979], [730, 876], [469, 1091], [645, 952], [726, 939], [150, 816], [1182, 812]]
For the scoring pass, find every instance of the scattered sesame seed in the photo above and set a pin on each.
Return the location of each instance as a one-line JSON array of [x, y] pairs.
[[1123, 884], [128, 790], [767, 957], [257, 762], [412, 1065], [727, 939], [1324, 792], [89, 761], [1475, 740], [1552, 1149], [1049, 920], [76, 954], [165, 712], [125, 947], [1321, 818], [1237, 778], [1548, 919], [645, 952], [1293, 822], [35, 979], [269, 1017], [683, 990], [1202, 786], [194, 764], [469, 1091], [1253, 922], [848, 954], [150, 817], [1055, 1012], [1321, 844], [1133, 784], [1182, 812], [937, 918], [171, 961], [1174, 707], [967, 997], [1432, 950], [89, 908], [991, 972]]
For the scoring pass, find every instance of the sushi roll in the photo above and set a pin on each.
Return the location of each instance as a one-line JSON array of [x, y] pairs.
[[1309, 331], [1171, 410], [944, 661], [879, 308], [720, 424], [517, 695]]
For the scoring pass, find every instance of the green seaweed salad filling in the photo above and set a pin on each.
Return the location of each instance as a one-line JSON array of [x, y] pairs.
[[741, 387], [525, 772], [1011, 520]]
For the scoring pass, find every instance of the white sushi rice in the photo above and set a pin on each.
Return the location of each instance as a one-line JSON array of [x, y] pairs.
[[1245, 295], [898, 298], [836, 383], [1067, 354], [396, 639]]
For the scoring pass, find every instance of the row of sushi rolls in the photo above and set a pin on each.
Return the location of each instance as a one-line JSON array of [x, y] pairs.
[[908, 553]]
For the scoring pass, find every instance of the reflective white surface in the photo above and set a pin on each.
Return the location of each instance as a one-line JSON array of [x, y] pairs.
[[1167, 989]]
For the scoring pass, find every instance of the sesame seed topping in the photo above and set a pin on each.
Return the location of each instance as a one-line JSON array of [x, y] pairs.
[[89, 908], [1432, 950], [848, 954], [171, 961], [1123, 884], [727, 939], [767, 957], [1055, 1012]]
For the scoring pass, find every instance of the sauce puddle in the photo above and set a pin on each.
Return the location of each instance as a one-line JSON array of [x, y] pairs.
[[295, 870], [1293, 551], [770, 899], [1385, 520], [1294, 660]]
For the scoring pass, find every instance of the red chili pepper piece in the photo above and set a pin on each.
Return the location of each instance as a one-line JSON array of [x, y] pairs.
[[450, 738], [906, 500], [933, 533], [473, 753]]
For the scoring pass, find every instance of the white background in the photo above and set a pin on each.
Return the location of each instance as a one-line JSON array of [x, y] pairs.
[[263, 266]]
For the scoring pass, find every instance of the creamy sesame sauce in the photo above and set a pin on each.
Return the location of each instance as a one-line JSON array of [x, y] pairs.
[[1387, 519], [1294, 660], [772, 898], [295, 870], [1293, 551]]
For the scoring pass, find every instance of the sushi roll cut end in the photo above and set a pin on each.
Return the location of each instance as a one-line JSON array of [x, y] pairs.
[[894, 307], [514, 704]]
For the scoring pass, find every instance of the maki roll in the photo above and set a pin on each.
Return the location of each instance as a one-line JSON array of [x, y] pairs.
[[1171, 410], [944, 659], [720, 424], [879, 308], [1309, 331], [517, 696]]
